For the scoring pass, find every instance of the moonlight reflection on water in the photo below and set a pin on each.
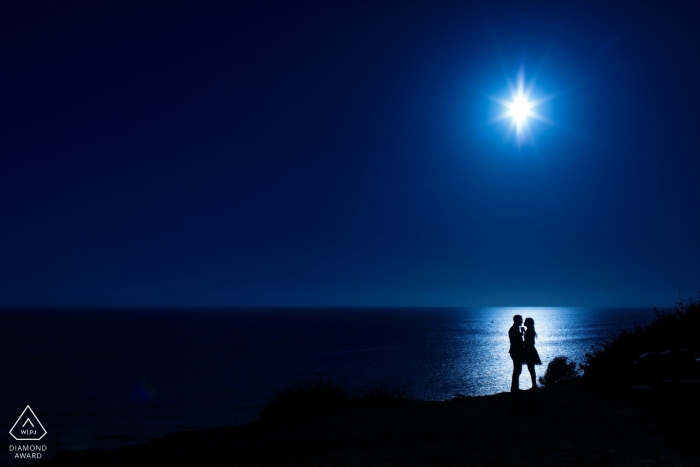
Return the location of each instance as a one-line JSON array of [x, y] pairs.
[[482, 364]]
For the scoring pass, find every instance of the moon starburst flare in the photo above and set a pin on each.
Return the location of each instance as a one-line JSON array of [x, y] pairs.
[[520, 109]]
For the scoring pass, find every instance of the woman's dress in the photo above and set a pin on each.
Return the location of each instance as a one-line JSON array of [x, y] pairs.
[[530, 352]]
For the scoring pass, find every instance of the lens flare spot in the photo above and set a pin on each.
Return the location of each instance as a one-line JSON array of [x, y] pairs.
[[143, 392]]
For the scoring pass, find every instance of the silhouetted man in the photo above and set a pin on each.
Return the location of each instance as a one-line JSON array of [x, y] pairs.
[[515, 334]]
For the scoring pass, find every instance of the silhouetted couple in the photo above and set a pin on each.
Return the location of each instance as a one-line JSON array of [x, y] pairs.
[[523, 352]]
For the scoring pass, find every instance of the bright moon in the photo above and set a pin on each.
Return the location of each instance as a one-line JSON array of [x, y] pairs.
[[520, 109]]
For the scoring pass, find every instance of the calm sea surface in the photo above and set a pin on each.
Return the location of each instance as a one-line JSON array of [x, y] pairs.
[[106, 378]]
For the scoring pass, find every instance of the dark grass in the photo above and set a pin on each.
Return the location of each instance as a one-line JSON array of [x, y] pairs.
[[613, 366], [610, 369], [609, 364]]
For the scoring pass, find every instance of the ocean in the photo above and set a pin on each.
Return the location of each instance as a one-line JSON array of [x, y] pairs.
[[107, 378]]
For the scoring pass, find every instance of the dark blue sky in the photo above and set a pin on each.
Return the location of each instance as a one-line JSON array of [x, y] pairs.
[[201, 154]]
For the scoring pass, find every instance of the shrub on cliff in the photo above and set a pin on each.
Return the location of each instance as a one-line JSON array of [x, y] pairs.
[[609, 364], [559, 370]]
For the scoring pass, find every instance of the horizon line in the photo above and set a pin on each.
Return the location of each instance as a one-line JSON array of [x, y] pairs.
[[298, 307]]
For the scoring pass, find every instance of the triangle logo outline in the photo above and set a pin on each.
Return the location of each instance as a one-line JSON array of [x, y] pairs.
[[28, 418]]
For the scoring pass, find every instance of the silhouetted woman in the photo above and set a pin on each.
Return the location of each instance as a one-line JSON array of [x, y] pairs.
[[531, 356]]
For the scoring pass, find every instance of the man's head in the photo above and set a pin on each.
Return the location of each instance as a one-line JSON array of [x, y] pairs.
[[517, 320]]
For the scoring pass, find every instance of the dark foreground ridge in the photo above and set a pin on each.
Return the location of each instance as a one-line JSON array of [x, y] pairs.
[[564, 425]]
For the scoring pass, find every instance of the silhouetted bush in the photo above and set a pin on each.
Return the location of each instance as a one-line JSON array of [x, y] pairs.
[[609, 364], [559, 370], [305, 400], [316, 397]]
